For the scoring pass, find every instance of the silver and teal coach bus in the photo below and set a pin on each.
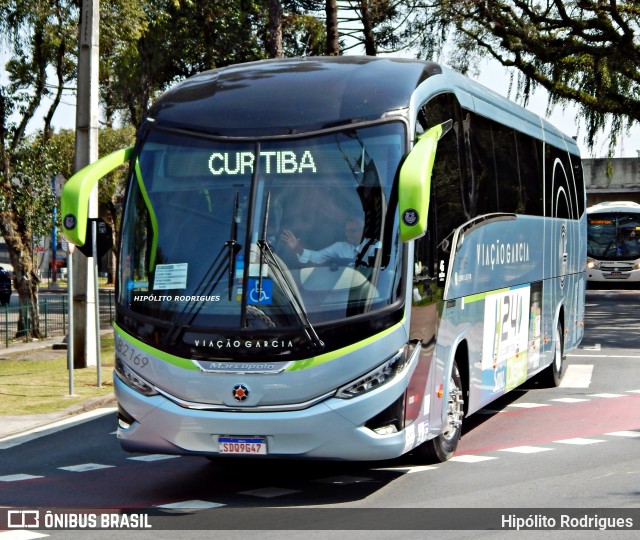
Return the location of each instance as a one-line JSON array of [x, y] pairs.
[[337, 258]]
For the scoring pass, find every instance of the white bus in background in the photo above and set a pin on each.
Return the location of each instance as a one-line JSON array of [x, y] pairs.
[[613, 242]]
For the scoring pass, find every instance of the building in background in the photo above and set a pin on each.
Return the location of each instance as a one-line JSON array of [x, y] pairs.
[[615, 179]]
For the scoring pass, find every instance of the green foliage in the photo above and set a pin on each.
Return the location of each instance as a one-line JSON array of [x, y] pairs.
[[581, 51], [31, 199]]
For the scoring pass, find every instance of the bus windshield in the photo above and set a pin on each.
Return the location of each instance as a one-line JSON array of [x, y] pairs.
[[613, 236], [279, 233]]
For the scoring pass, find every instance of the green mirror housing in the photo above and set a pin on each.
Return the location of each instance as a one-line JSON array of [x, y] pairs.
[[414, 187], [76, 192]]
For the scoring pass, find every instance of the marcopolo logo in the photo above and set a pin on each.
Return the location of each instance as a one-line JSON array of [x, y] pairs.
[[240, 392]]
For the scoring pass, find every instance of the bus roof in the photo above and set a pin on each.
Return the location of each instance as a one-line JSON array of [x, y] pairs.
[[614, 206], [300, 95], [293, 95]]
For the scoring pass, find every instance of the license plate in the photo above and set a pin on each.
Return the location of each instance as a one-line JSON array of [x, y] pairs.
[[242, 445]]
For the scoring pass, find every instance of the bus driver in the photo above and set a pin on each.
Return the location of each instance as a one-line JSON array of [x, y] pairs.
[[349, 248]]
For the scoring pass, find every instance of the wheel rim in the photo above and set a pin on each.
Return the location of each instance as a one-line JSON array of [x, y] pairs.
[[454, 411], [558, 352]]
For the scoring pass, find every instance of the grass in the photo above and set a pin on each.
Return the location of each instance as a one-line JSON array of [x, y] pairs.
[[46, 283], [37, 382]]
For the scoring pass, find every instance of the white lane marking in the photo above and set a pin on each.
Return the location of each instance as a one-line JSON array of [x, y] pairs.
[[18, 477], [624, 433], [577, 376], [592, 356], [84, 467], [525, 449], [268, 493], [606, 395], [408, 470], [528, 405], [580, 441], [21, 535], [152, 457], [471, 459], [344, 480], [570, 400], [190, 505]]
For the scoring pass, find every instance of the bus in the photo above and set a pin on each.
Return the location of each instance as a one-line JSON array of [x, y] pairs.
[[336, 258], [613, 242]]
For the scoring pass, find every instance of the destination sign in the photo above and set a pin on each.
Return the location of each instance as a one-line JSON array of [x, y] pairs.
[[270, 162]]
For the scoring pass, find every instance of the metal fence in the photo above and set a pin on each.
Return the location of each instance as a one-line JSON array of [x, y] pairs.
[[53, 316]]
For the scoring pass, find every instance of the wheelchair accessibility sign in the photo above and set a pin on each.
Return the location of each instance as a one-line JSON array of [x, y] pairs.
[[260, 295]]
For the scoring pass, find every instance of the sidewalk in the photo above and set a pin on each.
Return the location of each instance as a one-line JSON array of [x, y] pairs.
[[14, 425]]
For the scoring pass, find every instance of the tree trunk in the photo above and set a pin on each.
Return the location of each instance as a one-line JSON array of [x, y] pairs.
[[370, 47], [25, 279], [333, 42], [274, 39]]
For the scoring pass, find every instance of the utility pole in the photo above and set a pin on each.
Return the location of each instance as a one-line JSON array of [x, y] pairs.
[[85, 332]]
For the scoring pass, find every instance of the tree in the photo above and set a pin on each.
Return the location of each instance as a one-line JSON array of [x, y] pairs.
[[333, 39], [41, 38], [274, 31], [200, 34], [58, 153], [303, 31], [582, 51], [377, 26]]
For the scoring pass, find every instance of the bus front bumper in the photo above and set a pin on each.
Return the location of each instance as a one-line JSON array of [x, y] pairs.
[[613, 275], [332, 429]]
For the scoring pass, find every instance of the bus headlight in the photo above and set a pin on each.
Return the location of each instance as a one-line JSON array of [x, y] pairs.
[[133, 380], [592, 264], [375, 378]]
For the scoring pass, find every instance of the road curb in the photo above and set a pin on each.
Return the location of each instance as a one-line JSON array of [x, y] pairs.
[[89, 405], [13, 426]]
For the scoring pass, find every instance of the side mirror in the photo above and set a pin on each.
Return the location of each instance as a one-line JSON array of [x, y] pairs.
[[76, 192], [414, 187]]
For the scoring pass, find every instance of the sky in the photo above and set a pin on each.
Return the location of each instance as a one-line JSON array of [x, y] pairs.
[[564, 117]]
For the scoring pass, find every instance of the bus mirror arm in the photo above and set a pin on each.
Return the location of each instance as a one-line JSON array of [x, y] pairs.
[[77, 190], [414, 182]]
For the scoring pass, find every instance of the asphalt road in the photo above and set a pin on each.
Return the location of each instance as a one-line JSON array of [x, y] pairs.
[[536, 451]]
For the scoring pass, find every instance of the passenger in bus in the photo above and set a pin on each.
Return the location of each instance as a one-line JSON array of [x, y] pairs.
[[352, 247]]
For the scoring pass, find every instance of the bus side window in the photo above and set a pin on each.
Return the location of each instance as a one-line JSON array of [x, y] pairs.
[[448, 180], [507, 173], [530, 168]]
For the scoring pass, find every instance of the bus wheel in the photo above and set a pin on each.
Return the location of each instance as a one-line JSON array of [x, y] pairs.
[[442, 447], [552, 375]]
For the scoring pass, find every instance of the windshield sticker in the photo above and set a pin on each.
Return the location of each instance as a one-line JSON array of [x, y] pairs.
[[170, 276], [260, 295], [271, 162], [176, 297]]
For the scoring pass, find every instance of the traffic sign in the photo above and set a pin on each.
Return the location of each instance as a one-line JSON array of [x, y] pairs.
[[104, 238]]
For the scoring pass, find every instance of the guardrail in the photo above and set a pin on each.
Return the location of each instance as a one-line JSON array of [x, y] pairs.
[[53, 315]]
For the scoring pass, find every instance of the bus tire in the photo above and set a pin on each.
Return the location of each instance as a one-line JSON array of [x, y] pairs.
[[442, 447], [551, 376]]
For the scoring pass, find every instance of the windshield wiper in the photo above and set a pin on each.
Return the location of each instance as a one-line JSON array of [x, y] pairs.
[[267, 255], [233, 246], [210, 279]]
